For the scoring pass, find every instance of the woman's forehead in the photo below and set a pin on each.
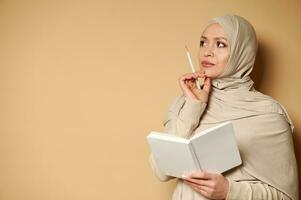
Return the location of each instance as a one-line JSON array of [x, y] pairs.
[[214, 31]]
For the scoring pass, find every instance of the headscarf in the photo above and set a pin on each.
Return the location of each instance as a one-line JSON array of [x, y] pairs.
[[262, 126], [234, 87]]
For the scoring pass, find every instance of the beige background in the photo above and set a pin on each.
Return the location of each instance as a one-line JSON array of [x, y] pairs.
[[83, 83]]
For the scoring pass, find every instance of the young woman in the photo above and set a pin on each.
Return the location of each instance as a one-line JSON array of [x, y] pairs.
[[263, 129]]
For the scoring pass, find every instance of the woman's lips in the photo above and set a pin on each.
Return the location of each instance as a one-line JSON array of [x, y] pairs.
[[207, 64]]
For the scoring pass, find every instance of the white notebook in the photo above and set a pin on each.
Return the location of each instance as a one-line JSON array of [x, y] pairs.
[[213, 150]]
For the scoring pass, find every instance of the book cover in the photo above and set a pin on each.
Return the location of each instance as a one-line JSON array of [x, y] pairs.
[[213, 150]]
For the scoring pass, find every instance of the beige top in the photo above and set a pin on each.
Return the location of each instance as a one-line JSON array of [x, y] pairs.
[[182, 120]]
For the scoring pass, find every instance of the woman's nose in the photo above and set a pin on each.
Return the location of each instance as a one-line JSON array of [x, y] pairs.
[[209, 52]]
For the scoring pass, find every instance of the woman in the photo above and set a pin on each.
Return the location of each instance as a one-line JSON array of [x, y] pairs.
[[262, 126]]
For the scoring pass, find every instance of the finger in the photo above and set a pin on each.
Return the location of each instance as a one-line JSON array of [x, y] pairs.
[[200, 74], [188, 81], [200, 71], [188, 76], [200, 174], [202, 182], [193, 82], [194, 86], [196, 90], [207, 85], [202, 189]]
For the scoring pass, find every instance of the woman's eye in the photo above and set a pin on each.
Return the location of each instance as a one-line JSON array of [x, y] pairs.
[[202, 43], [221, 44]]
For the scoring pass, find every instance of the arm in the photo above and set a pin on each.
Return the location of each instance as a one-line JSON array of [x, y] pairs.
[[181, 120], [253, 190]]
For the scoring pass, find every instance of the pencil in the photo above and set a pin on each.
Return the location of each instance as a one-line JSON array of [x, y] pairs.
[[191, 65]]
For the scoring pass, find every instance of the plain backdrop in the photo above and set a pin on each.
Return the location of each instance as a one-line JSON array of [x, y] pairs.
[[83, 82]]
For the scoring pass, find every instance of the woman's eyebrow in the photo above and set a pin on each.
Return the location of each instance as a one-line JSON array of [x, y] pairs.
[[216, 38]]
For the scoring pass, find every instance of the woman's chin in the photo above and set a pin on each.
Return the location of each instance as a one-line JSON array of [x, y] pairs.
[[211, 73]]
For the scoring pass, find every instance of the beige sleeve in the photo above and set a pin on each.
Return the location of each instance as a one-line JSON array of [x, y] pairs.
[[253, 190], [182, 118]]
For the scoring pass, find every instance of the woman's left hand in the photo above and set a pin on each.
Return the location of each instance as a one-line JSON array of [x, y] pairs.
[[210, 185]]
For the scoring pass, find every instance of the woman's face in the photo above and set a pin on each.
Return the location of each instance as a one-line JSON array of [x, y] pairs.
[[214, 50]]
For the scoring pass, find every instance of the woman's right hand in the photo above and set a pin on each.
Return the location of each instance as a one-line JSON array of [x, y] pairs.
[[189, 88]]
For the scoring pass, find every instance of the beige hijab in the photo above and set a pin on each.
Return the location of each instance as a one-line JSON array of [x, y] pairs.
[[265, 141]]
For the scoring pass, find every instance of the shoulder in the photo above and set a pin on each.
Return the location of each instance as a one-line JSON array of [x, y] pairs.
[[271, 104], [276, 110]]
